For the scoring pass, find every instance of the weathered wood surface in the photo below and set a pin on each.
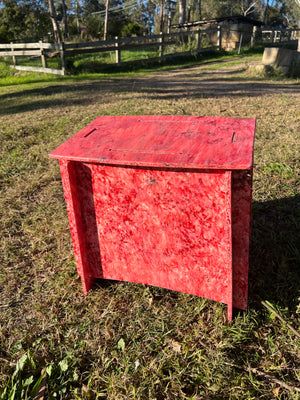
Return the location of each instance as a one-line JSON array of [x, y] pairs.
[[50, 46], [33, 49], [40, 69], [20, 53]]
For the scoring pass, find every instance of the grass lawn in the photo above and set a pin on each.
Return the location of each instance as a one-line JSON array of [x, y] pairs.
[[130, 341]]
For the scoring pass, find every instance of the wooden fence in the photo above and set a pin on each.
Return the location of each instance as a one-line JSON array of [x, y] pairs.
[[15, 50], [273, 36], [168, 45], [161, 42]]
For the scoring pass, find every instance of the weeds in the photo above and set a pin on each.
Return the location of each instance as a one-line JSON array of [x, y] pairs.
[[5, 70], [26, 382]]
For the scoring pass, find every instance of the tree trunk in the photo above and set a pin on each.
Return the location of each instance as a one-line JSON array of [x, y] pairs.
[[182, 7], [200, 10], [64, 9], [56, 30], [161, 16], [266, 12]]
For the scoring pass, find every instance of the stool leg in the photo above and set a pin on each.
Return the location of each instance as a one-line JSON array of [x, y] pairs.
[[241, 226], [87, 284], [68, 175]]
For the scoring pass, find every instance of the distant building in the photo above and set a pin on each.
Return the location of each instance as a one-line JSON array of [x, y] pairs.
[[235, 29]]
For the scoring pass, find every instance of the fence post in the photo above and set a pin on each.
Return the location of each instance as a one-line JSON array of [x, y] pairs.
[[294, 34], [253, 36], [272, 36], [62, 57], [14, 58], [169, 23], [220, 37], [161, 47], [240, 41], [43, 57], [118, 51]]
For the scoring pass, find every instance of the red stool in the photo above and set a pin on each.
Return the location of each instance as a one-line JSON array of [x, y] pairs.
[[164, 201]]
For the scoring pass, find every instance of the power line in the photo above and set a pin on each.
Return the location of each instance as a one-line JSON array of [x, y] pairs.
[[118, 8]]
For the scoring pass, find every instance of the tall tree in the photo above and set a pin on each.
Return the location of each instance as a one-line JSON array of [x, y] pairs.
[[147, 16], [55, 25], [65, 19], [182, 11], [12, 21]]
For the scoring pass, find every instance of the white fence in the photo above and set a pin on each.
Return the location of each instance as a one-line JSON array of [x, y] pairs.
[[15, 50]]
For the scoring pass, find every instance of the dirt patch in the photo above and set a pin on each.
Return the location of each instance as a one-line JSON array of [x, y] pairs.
[[216, 81], [219, 81]]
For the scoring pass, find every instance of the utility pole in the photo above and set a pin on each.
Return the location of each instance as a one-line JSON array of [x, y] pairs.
[[106, 20]]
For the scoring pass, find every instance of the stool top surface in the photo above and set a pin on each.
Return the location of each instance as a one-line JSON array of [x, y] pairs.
[[184, 142]]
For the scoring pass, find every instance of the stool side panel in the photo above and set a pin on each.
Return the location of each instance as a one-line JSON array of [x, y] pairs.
[[87, 216], [165, 228], [77, 226], [241, 227]]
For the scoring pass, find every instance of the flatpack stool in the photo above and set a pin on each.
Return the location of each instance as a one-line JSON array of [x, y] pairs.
[[164, 201]]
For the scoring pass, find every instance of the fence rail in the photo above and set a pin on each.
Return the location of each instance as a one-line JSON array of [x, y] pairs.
[[117, 45], [279, 36], [33, 50], [166, 44], [39, 45]]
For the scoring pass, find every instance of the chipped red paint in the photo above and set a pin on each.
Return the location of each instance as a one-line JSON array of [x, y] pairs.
[[162, 200]]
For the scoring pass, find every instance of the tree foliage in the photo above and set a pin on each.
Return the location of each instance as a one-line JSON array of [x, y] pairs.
[[22, 20], [29, 20]]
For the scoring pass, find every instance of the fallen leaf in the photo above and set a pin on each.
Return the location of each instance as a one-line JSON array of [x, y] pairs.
[[136, 364], [276, 391], [176, 346]]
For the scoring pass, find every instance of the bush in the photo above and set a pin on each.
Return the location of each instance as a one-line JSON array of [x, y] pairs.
[[132, 29]]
